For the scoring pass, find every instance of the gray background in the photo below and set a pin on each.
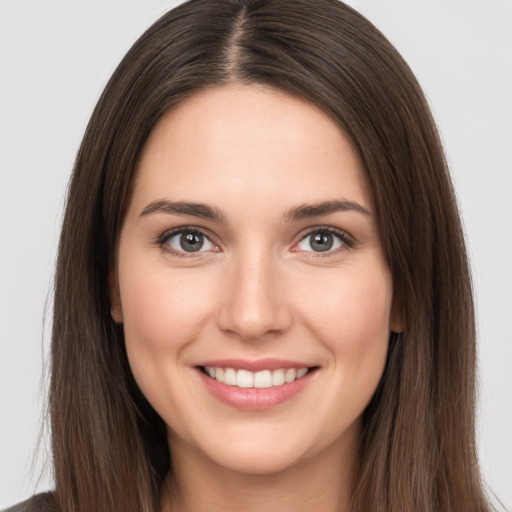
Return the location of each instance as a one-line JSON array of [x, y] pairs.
[[55, 57]]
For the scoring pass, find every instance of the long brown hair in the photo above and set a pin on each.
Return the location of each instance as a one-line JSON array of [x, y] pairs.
[[417, 449]]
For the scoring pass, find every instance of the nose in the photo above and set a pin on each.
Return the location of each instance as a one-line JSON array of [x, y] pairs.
[[254, 301]]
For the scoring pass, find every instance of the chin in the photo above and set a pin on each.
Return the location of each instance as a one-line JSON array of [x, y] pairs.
[[258, 460], [266, 450]]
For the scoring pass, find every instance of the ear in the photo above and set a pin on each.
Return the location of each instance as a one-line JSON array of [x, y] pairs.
[[115, 298]]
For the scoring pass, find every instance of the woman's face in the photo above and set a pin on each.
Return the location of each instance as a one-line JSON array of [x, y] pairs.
[[250, 255]]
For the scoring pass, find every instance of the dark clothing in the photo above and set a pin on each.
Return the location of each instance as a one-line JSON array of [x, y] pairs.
[[39, 503]]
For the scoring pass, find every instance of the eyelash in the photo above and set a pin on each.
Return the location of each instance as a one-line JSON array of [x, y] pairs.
[[347, 241], [162, 240]]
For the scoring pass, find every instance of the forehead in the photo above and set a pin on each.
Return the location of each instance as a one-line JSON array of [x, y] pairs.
[[249, 144]]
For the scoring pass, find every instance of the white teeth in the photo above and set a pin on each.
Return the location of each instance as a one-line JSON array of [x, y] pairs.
[[278, 377], [301, 372], [290, 375], [229, 376], [244, 379], [261, 379]]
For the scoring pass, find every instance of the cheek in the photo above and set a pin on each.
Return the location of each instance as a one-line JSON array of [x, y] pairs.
[[354, 300], [364, 323], [163, 314], [350, 314], [162, 310]]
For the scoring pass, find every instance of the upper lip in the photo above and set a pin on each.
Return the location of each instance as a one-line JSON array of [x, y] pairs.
[[255, 365]]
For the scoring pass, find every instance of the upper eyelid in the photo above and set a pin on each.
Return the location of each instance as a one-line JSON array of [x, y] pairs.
[[329, 229], [161, 241], [347, 240], [185, 229]]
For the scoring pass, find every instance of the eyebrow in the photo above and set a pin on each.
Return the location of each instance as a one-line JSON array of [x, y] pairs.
[[201, 210], [204, 211], [306, 211]]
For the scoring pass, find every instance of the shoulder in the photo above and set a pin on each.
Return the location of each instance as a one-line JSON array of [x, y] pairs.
[[39, 503]]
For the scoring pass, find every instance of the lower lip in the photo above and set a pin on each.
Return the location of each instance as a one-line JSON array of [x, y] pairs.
[[255, 399]]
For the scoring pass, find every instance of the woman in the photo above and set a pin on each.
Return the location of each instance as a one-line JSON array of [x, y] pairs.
[[259, 267]]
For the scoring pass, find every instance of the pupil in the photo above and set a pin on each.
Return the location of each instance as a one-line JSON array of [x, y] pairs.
[[191, 242], [322, 242]]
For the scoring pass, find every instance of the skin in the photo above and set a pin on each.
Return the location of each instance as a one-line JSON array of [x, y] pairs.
[[256, 289]]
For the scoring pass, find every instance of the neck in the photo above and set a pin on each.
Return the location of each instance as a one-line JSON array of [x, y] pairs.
[[322, 482]]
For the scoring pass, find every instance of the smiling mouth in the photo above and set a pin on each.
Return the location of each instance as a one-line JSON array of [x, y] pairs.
[[259, 380]]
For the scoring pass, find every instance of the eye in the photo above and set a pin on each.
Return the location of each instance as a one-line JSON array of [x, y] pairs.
[[324, 240], [187, 241]]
